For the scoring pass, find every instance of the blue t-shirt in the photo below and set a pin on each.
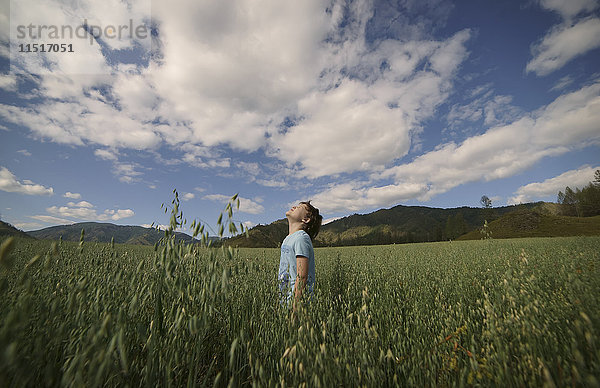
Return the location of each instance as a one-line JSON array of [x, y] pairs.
[[295, 244]]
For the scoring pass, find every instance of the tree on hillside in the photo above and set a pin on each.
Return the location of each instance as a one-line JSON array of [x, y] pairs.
[[588, 200], [568, 200], [455, 226], [584, 202], [486, 202], [488, 212]]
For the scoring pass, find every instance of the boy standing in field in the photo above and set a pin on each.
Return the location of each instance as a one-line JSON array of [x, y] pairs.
[[297, 262]]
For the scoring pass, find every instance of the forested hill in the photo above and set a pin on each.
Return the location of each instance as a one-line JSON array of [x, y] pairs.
[[7, 229], [538, 223], [400, 224], [104, 232]]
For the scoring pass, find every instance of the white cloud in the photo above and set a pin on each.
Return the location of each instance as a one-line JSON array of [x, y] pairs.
[[495, 198], [491, 109], [253, 172], [256, 61], [329, 220], [138, 97], [346, 130], [481, 89], [8, 82], [116, 215], [358, 124], [68, 194], [155, 226], [24, 152], [81, 213], [563, 83], [52, 220], [106, 154], [568, 123], [260, 64], [248, 224], [84, 204], [271, 183], [126, 172], [86, 120], [85, 211], [499, 110], [563, 43], [550, 187], [471, 112], [246, 205], [188, 196], [202, 157], [250, 168], [353, 197], [9, 183], [570, 8], [27, 225], [88, 58], [567, 40]]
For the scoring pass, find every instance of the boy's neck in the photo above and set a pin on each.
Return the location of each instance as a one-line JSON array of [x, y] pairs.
[[293, 227]]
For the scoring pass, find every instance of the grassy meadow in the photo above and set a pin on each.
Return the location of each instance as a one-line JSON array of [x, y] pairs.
[[473, 313]]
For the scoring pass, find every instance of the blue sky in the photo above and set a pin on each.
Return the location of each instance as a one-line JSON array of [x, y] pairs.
[[355, 105]]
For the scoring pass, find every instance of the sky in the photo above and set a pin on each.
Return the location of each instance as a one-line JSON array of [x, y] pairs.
[[355, 105]]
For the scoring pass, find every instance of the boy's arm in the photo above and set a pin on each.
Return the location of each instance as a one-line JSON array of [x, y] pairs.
[[301, 279]]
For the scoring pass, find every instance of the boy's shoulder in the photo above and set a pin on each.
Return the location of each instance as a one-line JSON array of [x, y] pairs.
[[296, 236], [301, 235]]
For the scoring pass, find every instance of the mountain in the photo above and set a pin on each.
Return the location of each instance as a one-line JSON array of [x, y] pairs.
[[399, 224], [261, 236], [7, 229], [538, 222], [104, 232]]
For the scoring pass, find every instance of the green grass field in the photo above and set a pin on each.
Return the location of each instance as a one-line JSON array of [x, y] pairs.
[[520, 312]]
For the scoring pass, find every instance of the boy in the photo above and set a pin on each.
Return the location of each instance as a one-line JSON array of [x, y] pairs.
[[297, 262]]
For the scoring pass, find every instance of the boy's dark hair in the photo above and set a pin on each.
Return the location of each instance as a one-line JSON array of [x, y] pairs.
[[313, 226]]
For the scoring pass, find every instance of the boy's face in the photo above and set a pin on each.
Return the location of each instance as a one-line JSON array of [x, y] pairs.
[[298, 213]]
